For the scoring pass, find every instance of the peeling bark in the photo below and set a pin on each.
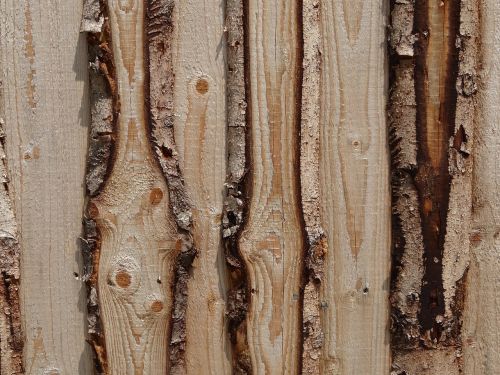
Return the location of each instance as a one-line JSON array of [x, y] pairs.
[[312, 331], [234, 202], [11, 333], [431, 118], [408, 246], [104, 100], [159, 34], [104, 106]]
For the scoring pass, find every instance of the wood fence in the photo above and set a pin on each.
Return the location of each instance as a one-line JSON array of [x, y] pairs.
[[250, 187]]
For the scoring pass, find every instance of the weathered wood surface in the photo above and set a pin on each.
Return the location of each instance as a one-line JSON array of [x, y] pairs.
[[354, 188], [138, 241], [44, 109], [481, 325], [200, 133], [431, 116], [253, 134], [271, 243]]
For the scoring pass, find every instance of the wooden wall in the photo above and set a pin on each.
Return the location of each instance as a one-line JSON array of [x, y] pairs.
[[249, 187]]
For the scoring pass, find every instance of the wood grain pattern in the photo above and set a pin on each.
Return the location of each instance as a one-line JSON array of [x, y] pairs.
[[272, 241], [43, 75], [200, 132], [138, 235], [354, 188], [481, 312]]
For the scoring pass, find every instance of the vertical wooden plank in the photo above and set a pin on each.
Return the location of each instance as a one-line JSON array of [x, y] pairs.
[[200, 132], [482, 308], [136, 210], [432, 124], [271, 243], [354, 187], [44, 70]]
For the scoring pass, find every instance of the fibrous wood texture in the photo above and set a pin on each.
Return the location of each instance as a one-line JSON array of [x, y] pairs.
[[434, 59], [200, 133], [347, 209], [271, 243], [141, 219], [480, 333], [44, 115], [243, 158]]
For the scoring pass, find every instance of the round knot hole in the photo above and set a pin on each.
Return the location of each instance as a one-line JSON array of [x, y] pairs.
[[123, 279], [157, 306], [156, 196], [202, 86]]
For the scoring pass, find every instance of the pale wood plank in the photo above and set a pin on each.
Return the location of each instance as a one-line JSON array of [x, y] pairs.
[[200, 132], [482, 308], [272, 241], [137, 230], [354, 188], [43, 73]]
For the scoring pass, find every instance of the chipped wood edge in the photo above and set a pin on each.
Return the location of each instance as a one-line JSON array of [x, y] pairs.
[[407, 239], [234, 201], [310, 188], [11, 333], [159, 37], [415, 351], [104, 107]]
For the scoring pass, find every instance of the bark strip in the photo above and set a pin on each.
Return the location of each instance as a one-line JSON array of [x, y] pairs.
[[159, 36], [434, 53], [104, 106], [408, 246], [11, 333], [312, 332], [234, 202]]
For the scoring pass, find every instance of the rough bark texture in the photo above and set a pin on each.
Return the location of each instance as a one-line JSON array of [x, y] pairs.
[[241, 150], [434, 49], [234, 201], [159, 31], [11, 334], [408, 246], [104, 107], [313, 336]]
